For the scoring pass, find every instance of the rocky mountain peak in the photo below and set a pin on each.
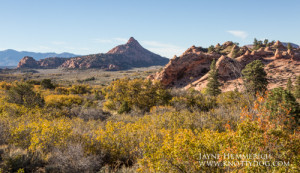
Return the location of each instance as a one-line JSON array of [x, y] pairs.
[[132, 44], [132, 41]]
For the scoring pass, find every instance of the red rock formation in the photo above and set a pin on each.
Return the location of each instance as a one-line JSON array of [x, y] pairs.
[[279, 45], [27, 62], [191, 68], [278, 54], [192, 64]]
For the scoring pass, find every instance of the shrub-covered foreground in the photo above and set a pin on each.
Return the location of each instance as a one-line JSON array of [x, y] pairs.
[[138, 126]]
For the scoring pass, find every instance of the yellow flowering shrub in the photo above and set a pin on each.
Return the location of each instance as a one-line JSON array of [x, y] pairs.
[[42, 134], [63, 100], [168, 138]]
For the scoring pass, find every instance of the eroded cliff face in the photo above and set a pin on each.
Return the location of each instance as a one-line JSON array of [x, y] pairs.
[[125, 56], [193, 64], [192, 67], [30, 62]]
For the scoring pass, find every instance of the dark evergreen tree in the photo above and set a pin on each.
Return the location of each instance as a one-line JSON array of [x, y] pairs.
[[47, 84], [280, 100], [23, 94], [266, 41], [289, 85], [297, 87], [211, 48], [255, 42], [289, 46], [213, 86], [254, 77]]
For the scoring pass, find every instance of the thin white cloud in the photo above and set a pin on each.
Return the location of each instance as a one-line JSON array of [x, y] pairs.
[[102, 40], [122, 40], [239, 34], [69, 48], [113, 40], [167, 50], [58, 42], [43, 48]]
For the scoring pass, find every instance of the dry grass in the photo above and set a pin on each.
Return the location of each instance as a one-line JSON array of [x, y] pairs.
[[76, 76]]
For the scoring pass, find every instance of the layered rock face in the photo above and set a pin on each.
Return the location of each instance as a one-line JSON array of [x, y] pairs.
[[182, 70], [129, 55], [192, 67], [29, 62]]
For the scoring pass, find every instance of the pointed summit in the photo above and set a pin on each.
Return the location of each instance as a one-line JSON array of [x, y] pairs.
[[135, 53], [132, 40], [133, 43]]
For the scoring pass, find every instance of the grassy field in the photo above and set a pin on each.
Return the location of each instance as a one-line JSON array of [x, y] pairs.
[[75, 76]]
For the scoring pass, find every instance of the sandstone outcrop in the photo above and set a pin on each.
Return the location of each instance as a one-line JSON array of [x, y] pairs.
[[279, 45], [27, 62], [192, 67]]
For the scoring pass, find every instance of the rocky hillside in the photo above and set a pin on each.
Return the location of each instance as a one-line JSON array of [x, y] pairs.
[[191, 68], [129, 55]]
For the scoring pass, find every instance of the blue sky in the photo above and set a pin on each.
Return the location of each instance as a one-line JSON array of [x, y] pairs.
[[166, 27]]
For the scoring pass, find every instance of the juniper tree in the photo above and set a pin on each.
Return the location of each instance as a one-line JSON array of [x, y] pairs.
[[213, 86], [280, 100], [289, 46], [255, 42], [297, 87], [23, 94], [266, 41], [211, 49], [47, 84], [289, 85], [254, 77]]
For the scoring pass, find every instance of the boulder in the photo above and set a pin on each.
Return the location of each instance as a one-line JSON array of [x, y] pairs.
[[279, 45], [234, 52], [278, 54]]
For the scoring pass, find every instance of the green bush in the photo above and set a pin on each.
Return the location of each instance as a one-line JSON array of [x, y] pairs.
[[62, 90], [80, 89], [138, 93], [192, 100], [23, 94], [47, 84], [16, 159], [280, 101], [124, 108]]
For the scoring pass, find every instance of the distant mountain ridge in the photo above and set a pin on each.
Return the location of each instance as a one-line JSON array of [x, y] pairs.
[[11, 57], [125, 56]]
